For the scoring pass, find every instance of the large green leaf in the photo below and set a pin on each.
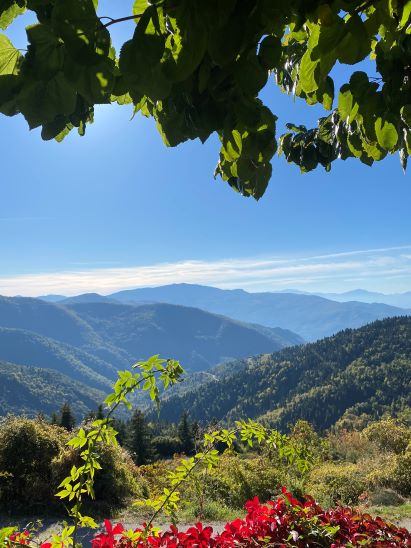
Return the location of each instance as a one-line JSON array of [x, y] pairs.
[[76, 22], [10, 57], [386, 132], [45, 54], [42, 101], [9, 10], [356, 44], [270, 52]]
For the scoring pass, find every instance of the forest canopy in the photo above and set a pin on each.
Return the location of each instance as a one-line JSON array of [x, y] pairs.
[[198, 68]]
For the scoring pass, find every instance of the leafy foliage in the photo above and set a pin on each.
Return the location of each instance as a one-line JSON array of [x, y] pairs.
[[283, 522], [198, 67]]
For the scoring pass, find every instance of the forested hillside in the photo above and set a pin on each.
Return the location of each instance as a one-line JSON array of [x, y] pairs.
[[366, 370], [30, 390], [27, 348], [197, 338], [89, 342], [310, 316]]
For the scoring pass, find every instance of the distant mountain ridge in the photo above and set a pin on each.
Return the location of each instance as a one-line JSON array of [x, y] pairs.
[[401, 300], [365, 370], [88, 342], [310, 316]]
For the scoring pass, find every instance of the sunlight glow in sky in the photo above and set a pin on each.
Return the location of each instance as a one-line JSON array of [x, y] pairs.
[[117, 209]]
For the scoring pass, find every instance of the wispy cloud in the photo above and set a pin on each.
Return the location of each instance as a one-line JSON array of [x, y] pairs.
[[386, 269]]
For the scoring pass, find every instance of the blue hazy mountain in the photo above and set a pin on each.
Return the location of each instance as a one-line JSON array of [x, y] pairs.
[[59, 323], [401, 300], [28, 348], [197, 338], [311, 316], [120, 334], [86, 298], [52, 298]]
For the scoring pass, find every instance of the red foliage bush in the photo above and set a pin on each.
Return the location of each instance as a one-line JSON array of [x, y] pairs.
[[282, 523]]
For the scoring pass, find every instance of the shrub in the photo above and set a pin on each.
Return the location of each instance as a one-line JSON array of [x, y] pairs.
[[389, 435], [330, 483], [34, 459], [284, 522], [27, 448], [237, 479], [117, 481], [401, 474], [351, 446]]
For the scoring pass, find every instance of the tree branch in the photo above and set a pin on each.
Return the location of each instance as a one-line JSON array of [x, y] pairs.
[[121, 19]]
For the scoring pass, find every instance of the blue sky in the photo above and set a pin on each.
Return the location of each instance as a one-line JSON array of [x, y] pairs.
[[117, 209]]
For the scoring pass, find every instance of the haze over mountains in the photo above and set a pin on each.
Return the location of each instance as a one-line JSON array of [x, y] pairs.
[[84, 340], [88, 342], [310, 316]]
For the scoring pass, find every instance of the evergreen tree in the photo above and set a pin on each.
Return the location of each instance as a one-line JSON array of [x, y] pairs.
[[67, 419], [139, 439], [185, 434], [54, 418]]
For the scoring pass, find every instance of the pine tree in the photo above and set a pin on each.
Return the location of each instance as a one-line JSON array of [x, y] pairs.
[[67, 419], [185, 434], [139, 439]]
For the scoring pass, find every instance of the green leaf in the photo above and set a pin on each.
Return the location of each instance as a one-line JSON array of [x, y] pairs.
[[357, 44], [139, 7], [270, 52], [45, 54], [41, 102], [77, 24], [250, 76], [347, 106], [9, 57], [387, 134], [9, 10]]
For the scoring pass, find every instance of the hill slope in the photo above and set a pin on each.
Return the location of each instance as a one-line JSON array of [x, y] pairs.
[[30, 390], [310, 316], [27, 348], [367, 370], [195, 337], [59, 323]]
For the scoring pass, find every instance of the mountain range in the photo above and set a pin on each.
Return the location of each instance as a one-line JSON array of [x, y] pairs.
[[310, 316], [365, 371], [89, 342]]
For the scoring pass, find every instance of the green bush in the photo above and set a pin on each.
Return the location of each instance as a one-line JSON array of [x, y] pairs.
[[331, 482], [27, 449], [34, 459], [401, 473], [389, 435], [117, 481], [238, 479]]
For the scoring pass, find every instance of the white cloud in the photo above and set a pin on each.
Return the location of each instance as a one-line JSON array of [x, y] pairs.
[[373, 268]]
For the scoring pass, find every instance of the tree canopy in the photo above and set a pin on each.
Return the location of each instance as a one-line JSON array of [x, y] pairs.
[[198, 67]]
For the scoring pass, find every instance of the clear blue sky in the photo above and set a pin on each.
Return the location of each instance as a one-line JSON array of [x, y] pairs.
[[103, 205]]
